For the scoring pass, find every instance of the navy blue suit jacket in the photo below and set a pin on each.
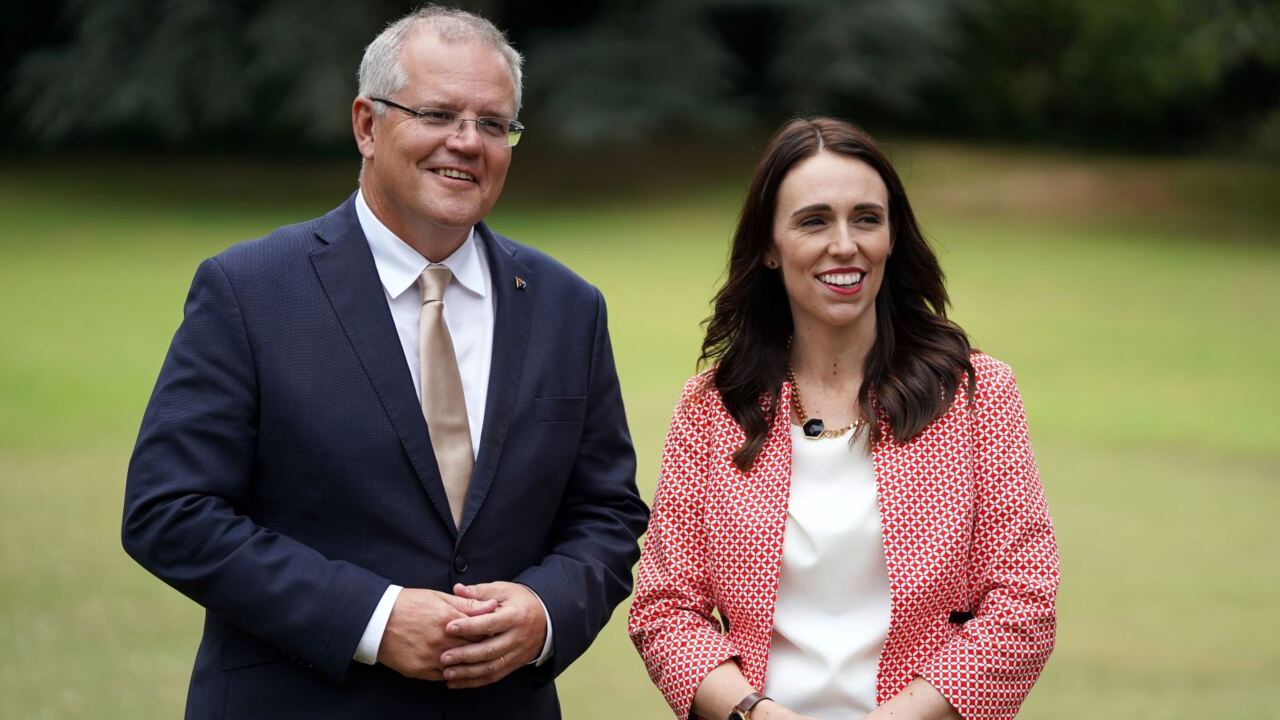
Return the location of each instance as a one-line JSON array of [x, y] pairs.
[[283, 476]]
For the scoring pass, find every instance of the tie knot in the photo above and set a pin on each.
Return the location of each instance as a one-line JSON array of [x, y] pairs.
[[432, 283]]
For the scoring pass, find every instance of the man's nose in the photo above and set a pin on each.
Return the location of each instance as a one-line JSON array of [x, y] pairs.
[[466, 137]]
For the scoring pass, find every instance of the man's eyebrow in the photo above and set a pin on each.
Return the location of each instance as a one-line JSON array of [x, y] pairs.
[[458, 108], [495, 112], [439, 105]]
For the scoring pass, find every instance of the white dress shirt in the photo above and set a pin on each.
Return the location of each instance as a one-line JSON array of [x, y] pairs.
[[469, 304], [468, 308], [832, 612]]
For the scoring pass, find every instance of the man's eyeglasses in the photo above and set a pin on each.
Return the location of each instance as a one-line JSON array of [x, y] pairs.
[[490, 128]]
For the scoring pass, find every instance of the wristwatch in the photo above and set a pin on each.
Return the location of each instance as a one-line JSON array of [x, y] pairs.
[[743, 710]]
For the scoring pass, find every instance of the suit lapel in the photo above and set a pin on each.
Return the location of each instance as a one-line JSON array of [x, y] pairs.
[[344, 264], [516, 291]]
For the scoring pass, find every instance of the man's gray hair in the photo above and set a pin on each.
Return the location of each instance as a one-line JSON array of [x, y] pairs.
[[381, 74]]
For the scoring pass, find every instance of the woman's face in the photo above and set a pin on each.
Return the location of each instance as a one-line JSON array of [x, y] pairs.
[[830, 241]]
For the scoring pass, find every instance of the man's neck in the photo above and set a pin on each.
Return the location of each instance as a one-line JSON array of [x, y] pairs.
[[436, 249], [433, 242]]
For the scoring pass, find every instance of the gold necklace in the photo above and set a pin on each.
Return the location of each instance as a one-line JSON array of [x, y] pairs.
[[814, 428]]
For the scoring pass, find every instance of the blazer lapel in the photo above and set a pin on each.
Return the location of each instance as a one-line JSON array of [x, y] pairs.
[[344, 264], [769, 492], [516, 291]]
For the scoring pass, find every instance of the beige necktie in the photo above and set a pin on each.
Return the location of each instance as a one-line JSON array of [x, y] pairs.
[[443, 403]]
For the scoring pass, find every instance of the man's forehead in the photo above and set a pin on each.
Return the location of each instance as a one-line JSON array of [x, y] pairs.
[[428, 48], [459, 70]]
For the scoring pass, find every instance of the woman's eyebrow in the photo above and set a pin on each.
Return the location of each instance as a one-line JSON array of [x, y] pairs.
[[816, 207]]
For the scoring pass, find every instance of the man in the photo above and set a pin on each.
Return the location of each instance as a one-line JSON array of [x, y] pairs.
[[387, 450]]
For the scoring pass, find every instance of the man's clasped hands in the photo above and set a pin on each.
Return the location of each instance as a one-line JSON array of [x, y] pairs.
[[474, 637]]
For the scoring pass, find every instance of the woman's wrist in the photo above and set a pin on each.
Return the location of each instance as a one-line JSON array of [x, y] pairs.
[[769, 709]]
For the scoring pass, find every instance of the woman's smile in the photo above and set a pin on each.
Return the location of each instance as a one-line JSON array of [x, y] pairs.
[[843, 281]]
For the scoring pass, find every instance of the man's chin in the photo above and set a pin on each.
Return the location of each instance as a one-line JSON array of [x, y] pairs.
[[455, 222], [455, 217]]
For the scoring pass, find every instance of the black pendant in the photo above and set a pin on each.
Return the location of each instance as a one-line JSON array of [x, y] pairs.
[[813, 427]]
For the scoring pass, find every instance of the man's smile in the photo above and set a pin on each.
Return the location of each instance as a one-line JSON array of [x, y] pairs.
[[455, 174]]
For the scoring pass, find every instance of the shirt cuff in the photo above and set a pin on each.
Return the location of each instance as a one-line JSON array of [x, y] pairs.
[[546, 645], [371, 640]]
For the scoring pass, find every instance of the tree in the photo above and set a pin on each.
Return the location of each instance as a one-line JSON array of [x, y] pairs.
[[198, 70]]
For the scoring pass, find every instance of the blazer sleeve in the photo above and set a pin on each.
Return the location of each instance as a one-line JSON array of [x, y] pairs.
[[192, 470], [988, 666], [671, 620], [587, 571]]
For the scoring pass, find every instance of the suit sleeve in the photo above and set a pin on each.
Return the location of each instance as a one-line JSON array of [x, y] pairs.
[[192, 470], [987, 668], [587, 571], [671, 620]]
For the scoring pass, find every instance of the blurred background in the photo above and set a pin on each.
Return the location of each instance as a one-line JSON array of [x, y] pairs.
[[1101, 181]]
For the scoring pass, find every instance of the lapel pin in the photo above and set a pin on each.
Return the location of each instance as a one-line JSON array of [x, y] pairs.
[[520, 283]]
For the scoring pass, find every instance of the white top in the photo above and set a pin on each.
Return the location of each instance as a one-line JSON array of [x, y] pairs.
[[469, 314], [832, 614]]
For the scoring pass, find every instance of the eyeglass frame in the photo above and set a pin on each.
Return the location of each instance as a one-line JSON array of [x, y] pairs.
[[513, 126]]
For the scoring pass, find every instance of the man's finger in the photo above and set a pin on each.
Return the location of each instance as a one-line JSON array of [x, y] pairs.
[[478, 653], [470, 606], [474, 683], [482, 625], [479, 591], [489, 671]]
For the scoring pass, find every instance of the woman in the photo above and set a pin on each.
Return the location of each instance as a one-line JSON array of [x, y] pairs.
[[850, 486]]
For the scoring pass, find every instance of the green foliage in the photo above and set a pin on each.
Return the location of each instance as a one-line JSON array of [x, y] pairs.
[[281, 73], [639, 73], [183, 73], [863, 59], [1157, 72]]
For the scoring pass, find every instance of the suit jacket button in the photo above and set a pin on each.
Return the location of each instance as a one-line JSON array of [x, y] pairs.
[[460, 563]]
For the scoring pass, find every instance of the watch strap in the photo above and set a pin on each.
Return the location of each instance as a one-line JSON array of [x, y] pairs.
[[743, 710]]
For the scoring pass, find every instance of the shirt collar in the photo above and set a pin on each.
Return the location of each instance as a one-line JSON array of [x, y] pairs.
[[400, 265]]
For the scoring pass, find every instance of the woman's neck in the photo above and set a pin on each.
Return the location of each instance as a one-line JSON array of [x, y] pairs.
[[828, 364], [831, 356]]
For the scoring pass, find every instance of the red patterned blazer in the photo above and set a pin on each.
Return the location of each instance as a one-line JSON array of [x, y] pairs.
[[966, 533]]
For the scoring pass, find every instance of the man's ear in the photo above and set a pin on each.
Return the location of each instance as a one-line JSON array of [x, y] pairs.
[[362, 117]]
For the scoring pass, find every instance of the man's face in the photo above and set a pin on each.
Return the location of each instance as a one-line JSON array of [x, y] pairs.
[[430, 185]]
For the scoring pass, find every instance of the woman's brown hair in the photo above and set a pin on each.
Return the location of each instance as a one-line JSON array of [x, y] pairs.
[[919, 357]]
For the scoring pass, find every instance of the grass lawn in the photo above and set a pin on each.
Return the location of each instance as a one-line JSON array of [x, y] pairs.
[[1135, 298]]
